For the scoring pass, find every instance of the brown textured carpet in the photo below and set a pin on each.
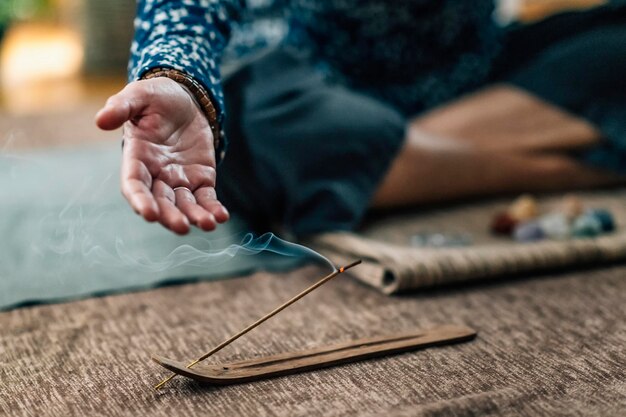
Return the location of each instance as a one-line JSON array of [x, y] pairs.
[[549, 345], [552, 344]]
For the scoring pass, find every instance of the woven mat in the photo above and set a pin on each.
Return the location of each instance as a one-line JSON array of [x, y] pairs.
[[392, 265]]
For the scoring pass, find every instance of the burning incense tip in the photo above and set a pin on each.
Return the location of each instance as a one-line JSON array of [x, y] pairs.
[[343, 268]]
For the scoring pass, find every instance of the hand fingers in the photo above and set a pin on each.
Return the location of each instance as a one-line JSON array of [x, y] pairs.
[[124, 106], [207, 198], [171, 217], [186, 202], [141, 200], [136, 182]]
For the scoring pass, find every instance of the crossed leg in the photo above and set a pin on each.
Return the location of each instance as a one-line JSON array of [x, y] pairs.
[[498, 140]]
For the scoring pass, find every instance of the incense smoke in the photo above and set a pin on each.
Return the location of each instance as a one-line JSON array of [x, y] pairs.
[[204, 253], [102, 235], [81, 230]]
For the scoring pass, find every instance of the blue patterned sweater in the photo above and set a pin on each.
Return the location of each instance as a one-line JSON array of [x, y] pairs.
[[414, 54]]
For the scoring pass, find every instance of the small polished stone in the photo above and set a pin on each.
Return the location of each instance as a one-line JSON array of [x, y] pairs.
[[440, 240], [556, 226], [572, 206], [524, 208], [604, 217], [503, 224], [528, 232], [586, 226]]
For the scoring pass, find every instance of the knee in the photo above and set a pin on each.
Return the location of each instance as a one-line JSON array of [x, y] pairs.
[[325, 126]]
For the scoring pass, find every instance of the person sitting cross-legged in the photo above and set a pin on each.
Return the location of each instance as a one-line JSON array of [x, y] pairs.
[[364, 105]]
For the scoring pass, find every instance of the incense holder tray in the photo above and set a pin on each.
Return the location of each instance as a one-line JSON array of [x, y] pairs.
[[321, 357]]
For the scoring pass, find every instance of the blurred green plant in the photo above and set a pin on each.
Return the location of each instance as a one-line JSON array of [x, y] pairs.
[[11, 10]]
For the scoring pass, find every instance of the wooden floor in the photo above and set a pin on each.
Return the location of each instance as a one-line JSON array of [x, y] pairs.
[[57, 114], [53, 106]]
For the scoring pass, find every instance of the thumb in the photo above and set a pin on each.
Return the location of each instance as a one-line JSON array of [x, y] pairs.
[[123, 106]]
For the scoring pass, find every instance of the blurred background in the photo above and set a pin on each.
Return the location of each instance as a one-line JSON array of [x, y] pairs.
[[59, 61]]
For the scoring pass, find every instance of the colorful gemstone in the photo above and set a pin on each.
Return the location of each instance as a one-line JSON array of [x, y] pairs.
[[556, 226], [503, 224], [587, 226], [572, 206], [604, 217], [441, 240], [524, 208], [528, 232]]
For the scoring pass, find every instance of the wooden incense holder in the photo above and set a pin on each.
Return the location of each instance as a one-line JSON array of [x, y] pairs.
[[295, 362]]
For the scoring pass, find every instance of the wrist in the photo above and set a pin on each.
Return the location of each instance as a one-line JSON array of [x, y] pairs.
[[197, 91]]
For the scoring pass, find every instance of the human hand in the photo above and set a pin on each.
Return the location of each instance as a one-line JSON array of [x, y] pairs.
[[168, 163]]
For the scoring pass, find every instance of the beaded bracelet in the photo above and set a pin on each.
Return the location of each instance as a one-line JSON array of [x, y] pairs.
[[198, 91]]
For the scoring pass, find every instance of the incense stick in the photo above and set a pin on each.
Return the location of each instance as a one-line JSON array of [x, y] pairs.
[[262, 319]]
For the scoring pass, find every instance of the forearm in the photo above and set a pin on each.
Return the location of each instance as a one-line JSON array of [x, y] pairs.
[[187, 36]]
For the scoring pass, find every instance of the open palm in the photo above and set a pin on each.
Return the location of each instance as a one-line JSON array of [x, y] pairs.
[[168, 164]]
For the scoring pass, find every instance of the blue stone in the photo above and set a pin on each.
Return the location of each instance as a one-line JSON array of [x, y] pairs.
[[528, 232], [440, 240], [587, 226], [604, 217]]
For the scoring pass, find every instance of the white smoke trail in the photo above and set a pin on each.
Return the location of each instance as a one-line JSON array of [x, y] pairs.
[[67, 232], [188, 255], [79, 231]]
